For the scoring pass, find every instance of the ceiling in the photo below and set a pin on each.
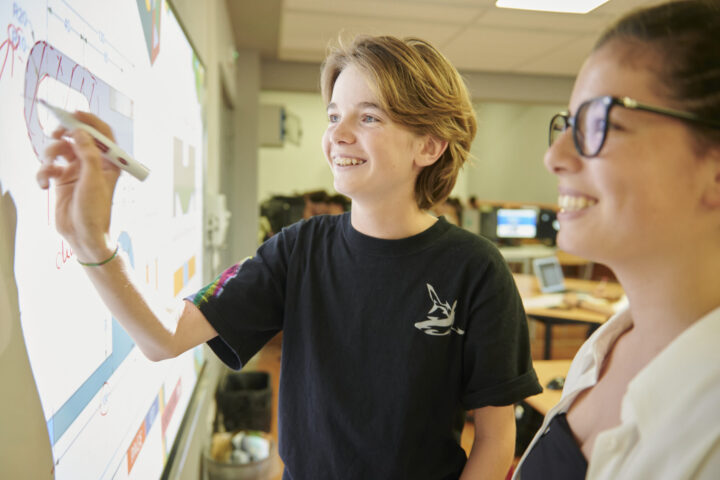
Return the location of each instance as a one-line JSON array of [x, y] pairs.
[[474, 34]]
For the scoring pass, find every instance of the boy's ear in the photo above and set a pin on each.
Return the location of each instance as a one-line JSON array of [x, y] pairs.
[[431, 150]]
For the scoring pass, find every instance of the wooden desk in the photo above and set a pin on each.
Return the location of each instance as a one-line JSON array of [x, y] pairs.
[[525, 254], [528, 288], [546, 370], [583, 265]]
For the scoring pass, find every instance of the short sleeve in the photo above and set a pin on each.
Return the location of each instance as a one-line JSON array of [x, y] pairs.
[[245, 303], [497, 364]]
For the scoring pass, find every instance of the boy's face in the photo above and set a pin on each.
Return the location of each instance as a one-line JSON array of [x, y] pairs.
[[373, 159]]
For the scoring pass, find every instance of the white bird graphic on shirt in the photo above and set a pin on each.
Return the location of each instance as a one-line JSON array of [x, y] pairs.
[[440, 324]]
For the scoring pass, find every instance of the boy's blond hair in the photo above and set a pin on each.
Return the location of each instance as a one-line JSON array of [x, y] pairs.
[[419, 89]]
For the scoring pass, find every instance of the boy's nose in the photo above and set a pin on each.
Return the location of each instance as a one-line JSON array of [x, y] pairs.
[[342, 133]]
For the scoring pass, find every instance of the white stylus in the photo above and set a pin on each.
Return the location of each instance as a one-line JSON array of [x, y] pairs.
[[109, 149]]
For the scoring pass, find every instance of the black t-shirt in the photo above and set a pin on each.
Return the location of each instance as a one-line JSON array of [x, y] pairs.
[[383, 341]]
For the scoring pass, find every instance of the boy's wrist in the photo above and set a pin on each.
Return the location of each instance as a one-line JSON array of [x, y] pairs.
[[98, 263], [93, 252]]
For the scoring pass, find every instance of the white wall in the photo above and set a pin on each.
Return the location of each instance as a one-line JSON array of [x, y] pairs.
[[294, 169], [506, 163]]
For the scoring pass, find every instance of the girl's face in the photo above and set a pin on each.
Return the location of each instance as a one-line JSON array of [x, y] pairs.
[[641, 196], [373, 159]]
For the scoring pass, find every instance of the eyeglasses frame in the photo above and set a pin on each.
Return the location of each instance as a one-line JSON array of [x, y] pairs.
[[609, 101]]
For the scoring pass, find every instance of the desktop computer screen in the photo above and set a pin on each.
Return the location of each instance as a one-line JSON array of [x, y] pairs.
[[516, 223], [547, 226]]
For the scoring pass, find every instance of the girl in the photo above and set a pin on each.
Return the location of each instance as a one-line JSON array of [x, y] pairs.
[[638, 166]]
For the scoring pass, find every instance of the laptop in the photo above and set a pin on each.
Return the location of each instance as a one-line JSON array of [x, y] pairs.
[[549, 274], [552, 284]]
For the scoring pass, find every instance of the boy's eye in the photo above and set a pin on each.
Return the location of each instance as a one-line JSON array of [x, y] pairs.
[[333, 117], [369, 119]]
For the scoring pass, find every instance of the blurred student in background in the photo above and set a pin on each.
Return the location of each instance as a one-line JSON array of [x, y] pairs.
[[316, 203], [338, 204]]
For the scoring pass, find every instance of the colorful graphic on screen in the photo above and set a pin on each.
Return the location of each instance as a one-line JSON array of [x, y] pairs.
[[110, 413]]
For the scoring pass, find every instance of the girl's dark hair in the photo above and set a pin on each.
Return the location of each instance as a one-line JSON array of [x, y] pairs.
[[684, 38]]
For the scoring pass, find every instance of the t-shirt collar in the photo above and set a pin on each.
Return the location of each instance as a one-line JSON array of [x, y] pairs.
[[362, 243]]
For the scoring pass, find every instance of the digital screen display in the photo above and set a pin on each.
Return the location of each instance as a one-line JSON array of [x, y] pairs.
[[110, 413], [516, 223]]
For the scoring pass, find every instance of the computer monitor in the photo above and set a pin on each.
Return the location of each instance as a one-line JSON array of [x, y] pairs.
[[547, 226], [516, 223], [488, 222]]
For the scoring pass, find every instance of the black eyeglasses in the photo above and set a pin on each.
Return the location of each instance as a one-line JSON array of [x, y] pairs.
[[590, 123]]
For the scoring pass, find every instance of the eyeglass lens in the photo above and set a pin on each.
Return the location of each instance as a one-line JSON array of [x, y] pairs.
[[589, 126], [558, 124]]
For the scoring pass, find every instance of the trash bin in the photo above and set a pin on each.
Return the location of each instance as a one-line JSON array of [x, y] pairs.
[[244, 401], [220, 463]]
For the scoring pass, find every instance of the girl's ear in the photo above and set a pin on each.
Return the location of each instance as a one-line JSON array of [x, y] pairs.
[[711, 195], [431, 150]]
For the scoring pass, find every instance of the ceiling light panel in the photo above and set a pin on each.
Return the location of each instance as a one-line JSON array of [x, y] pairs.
[[562, 6]]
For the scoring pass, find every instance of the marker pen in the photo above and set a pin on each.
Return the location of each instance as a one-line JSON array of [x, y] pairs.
[[109, 149]]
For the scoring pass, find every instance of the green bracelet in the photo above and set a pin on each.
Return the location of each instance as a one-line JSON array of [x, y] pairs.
[[91, 264]]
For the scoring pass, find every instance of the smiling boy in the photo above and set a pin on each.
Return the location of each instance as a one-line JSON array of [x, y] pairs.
[[393, 320]]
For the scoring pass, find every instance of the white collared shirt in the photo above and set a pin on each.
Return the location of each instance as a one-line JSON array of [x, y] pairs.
[[670, 414]]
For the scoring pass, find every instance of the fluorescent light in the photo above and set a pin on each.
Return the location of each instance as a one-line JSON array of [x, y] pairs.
[[563, 6]]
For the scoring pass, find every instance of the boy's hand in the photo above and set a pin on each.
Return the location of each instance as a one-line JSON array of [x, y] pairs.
[[84, 188]]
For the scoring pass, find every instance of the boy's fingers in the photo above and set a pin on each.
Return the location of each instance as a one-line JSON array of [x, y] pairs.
[[60, 148], [58, 132], [95, 122], [47, 172], [85, 149]]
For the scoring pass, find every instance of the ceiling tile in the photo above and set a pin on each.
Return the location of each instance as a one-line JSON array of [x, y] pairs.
[[312, 33], [565, 59], [460, 3], [500, 49], [503, 17], [437, 11], [616, 7], [474, 34]]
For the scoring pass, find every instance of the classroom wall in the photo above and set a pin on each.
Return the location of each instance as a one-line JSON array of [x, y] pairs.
[[508, 151], [232, 89], [506, 161], [295, 168]]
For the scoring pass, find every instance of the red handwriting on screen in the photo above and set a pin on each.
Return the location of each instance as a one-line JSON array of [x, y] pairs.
[[63, 255], [10, 45]]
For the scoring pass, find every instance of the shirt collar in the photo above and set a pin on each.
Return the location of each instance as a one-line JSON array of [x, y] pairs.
[[681, 374]]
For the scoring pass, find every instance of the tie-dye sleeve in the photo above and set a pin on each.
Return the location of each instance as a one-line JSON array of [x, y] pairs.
[[245, 304], [215, 289]]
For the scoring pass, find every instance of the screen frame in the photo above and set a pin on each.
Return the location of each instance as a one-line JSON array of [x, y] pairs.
[[187, 426], [542, 267]]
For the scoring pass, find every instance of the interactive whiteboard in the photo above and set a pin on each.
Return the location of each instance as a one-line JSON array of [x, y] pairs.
[[109, 412]]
